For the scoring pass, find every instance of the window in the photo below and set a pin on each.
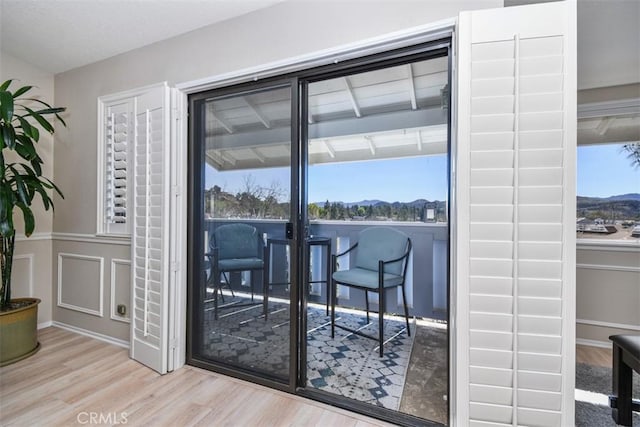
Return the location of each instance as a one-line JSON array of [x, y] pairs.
[[608, 205], [117, 117], [115, 142]]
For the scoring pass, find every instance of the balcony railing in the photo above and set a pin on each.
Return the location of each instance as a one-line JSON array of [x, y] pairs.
[[427, 272]]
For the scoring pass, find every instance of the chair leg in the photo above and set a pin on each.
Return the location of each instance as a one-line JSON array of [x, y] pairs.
[[406, 311], [219, 285], [251, 284], [333, 307], [215, 296], [381, 321], [265, 291], [366, 300], [265, 300], [230, 288], [266, 269], [622, 388]]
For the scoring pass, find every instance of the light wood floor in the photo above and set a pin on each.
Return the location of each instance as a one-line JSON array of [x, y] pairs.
[[73, 378], [594, 356]]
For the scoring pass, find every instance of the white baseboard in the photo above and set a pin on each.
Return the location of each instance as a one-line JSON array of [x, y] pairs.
[[45, 324], [608, 324], [593, 343], [91, 334]]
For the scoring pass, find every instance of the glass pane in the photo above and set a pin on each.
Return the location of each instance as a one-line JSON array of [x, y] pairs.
[[378, 160], [244, 292], [608, 205]]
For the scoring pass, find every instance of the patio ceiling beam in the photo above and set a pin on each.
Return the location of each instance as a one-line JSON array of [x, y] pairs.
[[412, 88], [256, 111], [329, 148], [227, 158], [371, 145], [407, 119], [604, 125], [222, 122], [352, 97], [259, 156], [213, 159]]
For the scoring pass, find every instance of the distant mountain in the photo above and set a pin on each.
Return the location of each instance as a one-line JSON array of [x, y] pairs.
[[373, 202], [620, 207], [628, 196]]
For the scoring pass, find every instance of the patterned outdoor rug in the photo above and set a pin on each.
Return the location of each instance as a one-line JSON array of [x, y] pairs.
[[347, 365], [350, 365], [241, 336]]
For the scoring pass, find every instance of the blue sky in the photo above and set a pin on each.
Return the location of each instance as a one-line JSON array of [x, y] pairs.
[[605, 170], [402, 180]]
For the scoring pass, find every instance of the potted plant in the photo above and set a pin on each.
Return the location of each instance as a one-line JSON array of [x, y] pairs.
[[21, 180]]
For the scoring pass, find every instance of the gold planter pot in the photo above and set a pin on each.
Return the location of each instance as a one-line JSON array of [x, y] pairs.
[[19, 332]]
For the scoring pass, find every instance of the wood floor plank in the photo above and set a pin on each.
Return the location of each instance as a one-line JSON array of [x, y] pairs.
[[74, 377], [594, 356]]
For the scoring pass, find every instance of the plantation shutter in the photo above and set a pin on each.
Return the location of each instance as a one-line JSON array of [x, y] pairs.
[[151, 230], [118, 139], [515, 215]]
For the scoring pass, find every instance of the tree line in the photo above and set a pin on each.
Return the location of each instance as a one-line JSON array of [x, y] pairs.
[[271, 202]]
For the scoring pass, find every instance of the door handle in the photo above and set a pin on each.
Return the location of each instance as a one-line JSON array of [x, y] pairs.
[[289, 230]]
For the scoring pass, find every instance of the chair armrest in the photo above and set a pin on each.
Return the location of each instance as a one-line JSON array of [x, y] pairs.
[[347, 251], [406, 254], [212, 254]]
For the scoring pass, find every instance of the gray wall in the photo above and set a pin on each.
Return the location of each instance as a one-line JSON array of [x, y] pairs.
[[279, 32], [31, 274], [608, 292]]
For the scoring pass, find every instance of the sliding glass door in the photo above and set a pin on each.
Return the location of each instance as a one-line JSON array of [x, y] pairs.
[[378, 165], [286, 175], [243, 279]]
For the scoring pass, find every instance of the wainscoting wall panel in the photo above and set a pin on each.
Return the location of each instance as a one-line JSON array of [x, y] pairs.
[[22, 276], [91, 273], [120, 288], [608, 292], [81, 283]]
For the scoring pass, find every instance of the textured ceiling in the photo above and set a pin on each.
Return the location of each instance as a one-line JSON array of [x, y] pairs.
[[58, 35]]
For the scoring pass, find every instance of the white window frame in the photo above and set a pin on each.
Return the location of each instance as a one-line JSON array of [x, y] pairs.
[[104, 102], [604, 109]]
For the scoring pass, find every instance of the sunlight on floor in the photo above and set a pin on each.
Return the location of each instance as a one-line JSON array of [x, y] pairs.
[[591, 397]]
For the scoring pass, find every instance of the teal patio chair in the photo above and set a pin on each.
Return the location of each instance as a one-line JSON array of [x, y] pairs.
[[235, 248], [381, 256]]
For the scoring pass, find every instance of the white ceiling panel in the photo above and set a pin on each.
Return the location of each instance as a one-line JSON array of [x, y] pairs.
[[58, 35]]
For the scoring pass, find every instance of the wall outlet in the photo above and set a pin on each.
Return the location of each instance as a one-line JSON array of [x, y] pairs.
[[122, 309]]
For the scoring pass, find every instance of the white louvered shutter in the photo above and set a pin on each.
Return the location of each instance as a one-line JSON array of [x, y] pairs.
[[515, 247], [151, 231], [118, 134]]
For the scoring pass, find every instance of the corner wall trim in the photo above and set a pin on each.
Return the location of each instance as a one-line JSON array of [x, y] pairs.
[[92, 238], [34, 237], [609, 267], [607, 245], [45, 324], [593, 343], [91, 334], [608, 324]]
